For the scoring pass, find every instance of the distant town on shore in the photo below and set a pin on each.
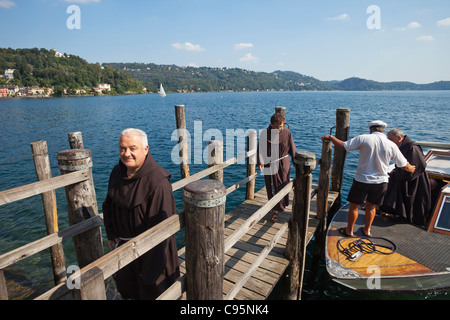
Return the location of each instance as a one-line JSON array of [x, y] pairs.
[[48, 73]]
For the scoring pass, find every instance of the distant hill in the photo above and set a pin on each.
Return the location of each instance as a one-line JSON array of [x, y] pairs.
[[206, 79], [48, 68]]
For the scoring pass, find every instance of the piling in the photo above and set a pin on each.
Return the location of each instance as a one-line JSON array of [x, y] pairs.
[[180, 116], [43, 171], [204, 215], [251, 164], [92, 285], [75, 140], [281, 110], [342, 133], [304, 163], [215, 157], [322, 204], [81, 204]]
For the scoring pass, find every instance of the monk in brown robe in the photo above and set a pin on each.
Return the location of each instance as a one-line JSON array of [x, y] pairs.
[[274, 147], [139, 197], [408, 194]]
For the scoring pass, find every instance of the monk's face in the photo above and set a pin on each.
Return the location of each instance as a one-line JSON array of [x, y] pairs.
[[132, 152]]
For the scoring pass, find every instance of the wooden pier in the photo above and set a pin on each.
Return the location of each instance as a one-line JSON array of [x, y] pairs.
[[254, 252]]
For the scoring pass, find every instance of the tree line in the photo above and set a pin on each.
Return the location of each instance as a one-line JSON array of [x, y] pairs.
[[41, 67]]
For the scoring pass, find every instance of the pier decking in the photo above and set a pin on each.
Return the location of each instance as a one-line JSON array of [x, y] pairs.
[[245, 252]]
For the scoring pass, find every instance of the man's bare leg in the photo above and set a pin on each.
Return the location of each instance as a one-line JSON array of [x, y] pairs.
[[352, 217], [371, 210]]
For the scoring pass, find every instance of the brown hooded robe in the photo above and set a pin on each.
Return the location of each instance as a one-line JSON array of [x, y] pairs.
[[409, 194], [278, 180], [131, 207]]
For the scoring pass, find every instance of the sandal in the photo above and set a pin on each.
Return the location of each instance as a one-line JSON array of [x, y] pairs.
[[343, 231], [274, 217], [365, 235]]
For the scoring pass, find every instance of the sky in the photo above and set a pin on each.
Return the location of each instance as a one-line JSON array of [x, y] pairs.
[[381, 40]]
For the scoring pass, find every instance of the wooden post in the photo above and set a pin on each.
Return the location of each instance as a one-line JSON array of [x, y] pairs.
[[204, 202], [304, 164], [92, 285], [180, 117], [322, 203], [43, 171], [75, 140], [251, 164], [3, 288], [281, 110], [81, 204], [342, 133], [215, 156]]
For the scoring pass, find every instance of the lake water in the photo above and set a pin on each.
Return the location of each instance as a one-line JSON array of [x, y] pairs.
[[423, 115]]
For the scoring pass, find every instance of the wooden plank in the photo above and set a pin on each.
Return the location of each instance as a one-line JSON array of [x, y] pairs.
[[256, 264], [229, 241], [36, 188], [44, 243]]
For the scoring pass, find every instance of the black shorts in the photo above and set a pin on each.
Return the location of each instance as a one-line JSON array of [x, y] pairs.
[[374, 193]]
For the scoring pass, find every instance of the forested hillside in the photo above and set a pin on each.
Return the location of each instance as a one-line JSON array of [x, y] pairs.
[[43, 68], [205, 79]]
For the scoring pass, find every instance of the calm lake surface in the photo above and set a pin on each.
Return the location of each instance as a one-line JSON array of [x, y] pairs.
[[422, 115]]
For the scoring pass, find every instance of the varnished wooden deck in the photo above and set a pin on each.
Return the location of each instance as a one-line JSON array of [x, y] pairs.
[[240, 257]]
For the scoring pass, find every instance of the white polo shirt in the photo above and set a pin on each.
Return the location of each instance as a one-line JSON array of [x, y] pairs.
[[375, 153]]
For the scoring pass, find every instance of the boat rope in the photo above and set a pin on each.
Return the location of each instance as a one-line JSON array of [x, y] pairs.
[[357, 247]]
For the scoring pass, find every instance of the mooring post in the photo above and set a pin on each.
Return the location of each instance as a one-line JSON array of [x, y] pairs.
[[180, 117], [43, 171], [81, 204], [215, 157], [281, 110], [304, 163], [204, 202], [75, 140], [322, 203], [251, 164], [3, 288], [342, 133], [92, 285]]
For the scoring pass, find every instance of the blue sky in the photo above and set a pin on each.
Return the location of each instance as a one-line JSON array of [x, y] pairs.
[[326, 39]]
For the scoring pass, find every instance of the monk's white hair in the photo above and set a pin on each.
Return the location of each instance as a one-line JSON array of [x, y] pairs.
[[135, 132]]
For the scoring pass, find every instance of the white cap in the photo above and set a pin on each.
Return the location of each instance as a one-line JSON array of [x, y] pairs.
[[378, 123]]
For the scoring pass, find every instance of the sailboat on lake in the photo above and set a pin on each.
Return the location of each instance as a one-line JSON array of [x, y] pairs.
[[162, 93]]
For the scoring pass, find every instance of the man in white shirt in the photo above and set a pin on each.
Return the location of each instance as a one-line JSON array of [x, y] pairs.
[[371, 178]]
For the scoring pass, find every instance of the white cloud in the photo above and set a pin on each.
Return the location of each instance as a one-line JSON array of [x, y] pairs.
[[6, 4], [413, 25], [187, 46], [425, 38], [410, 26], [444, 22], [341, 17], [240, 46], [249, 58]]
